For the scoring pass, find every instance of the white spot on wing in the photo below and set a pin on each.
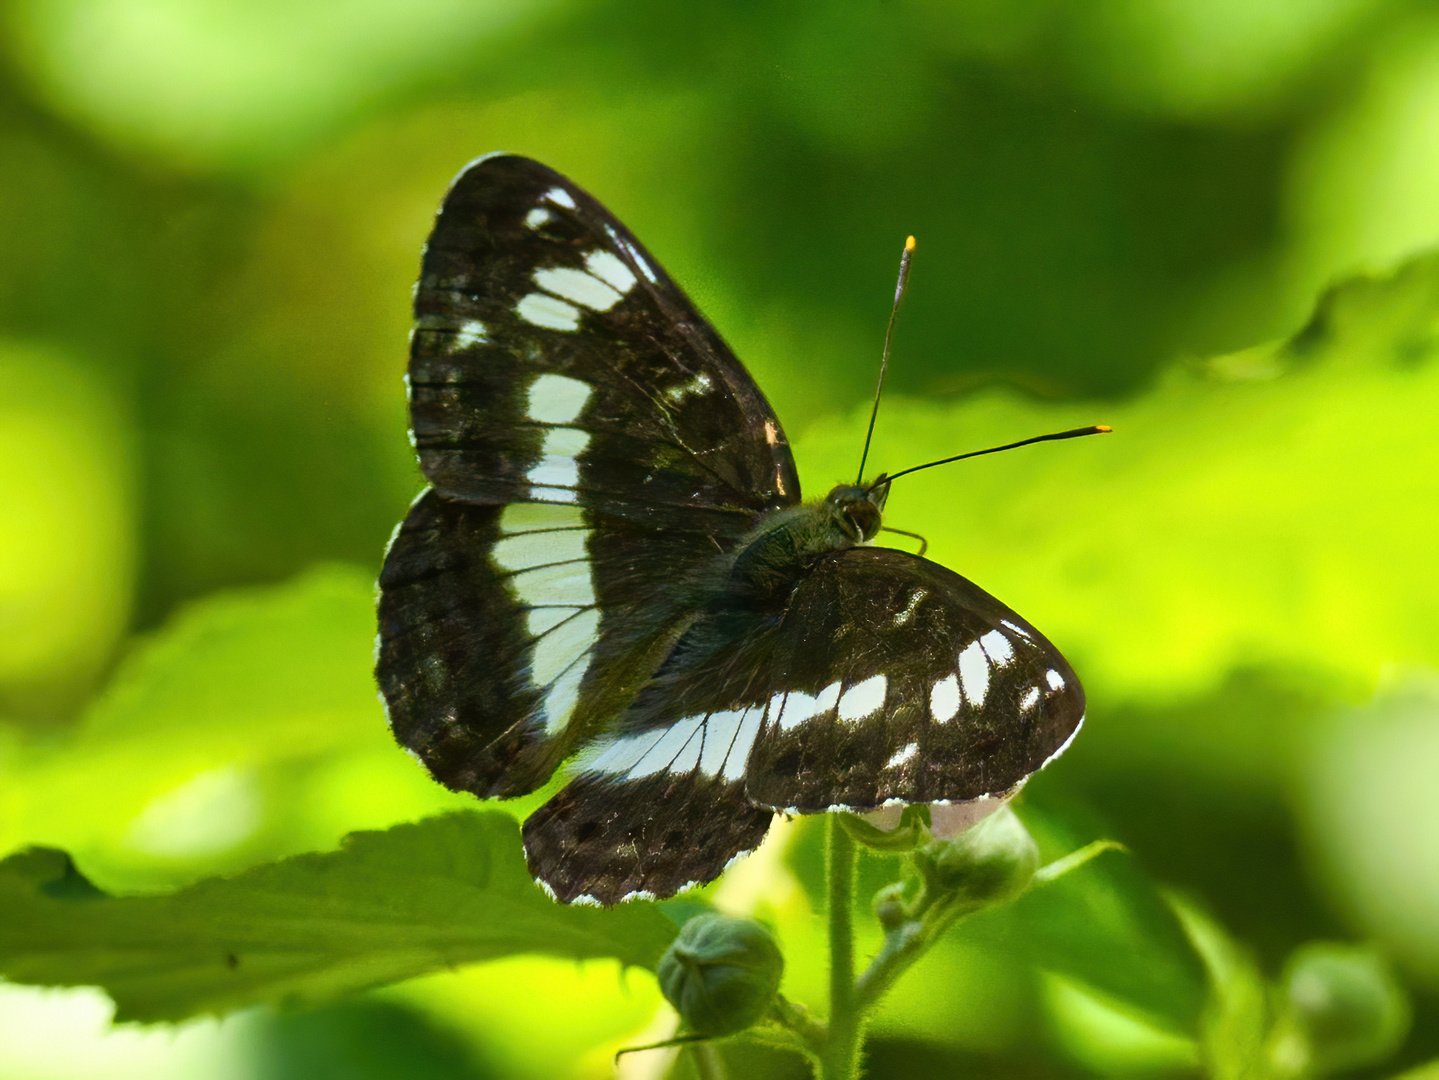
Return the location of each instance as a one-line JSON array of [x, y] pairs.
[[541, 620], [557, 399], [997, 647], [667, 748], [974, 674], [1030, 699], [688, 759], [537, 217], [562, 584], [607, 266], [944, 699], [470, 333], [564, 645], [901, 756], [537, 517], [777, 703], [863, 699], [555, 471], [738, 755], [699, 383], [646, 267], [560, 699], [565, 442], [910, 608], [1055, 680], [544, 548], [578, 287], [559, 465], [560, 197], [553, 494], [525, 550], [617, 756], [798, 707], [542, 309], [721, 728]]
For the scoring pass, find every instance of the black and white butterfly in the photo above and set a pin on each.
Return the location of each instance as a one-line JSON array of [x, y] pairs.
[[612, 563]]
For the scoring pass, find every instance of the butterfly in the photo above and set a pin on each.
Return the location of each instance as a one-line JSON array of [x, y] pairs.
[[612, 564]]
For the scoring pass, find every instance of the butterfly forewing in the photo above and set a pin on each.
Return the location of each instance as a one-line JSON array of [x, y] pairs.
[[538, 315], [592, 445]]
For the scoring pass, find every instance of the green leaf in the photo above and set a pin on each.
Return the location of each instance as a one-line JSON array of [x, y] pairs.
[[1427, 1071], [387, 906], [245, 729], [1238, 1015], [239, 678], [1104, 925]]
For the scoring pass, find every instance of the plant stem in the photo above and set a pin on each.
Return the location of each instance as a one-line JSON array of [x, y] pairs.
[[812, 1035], [840, 1060], [707, 1062], [902, 950]]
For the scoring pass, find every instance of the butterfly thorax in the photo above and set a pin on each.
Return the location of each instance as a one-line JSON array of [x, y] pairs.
[[782, 549]]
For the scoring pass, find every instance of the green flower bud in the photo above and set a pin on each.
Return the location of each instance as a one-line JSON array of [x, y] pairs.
[[990, 863], [1342, 1008], [721, 974], [890, 908]]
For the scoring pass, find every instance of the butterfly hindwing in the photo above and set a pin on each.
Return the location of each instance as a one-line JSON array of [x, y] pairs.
[[592, 444], [652, 836], [882, 678], [898, 680]]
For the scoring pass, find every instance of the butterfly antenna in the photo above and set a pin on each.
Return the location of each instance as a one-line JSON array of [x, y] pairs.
[[904, 260], [1073, 433]]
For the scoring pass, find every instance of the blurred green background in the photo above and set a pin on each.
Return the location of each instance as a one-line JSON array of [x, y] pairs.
[[212, 215]]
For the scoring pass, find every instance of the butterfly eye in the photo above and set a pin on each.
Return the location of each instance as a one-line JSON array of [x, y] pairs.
[[864, 517]]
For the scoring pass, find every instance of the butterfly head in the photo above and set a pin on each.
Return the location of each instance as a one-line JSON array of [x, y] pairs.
[[858, 511]]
